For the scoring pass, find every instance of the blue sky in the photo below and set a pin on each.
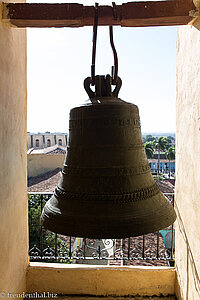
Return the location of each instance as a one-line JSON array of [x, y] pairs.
[[59, 60]]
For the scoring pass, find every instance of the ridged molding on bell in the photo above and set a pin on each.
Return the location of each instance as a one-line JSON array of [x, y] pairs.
[[106, 189]]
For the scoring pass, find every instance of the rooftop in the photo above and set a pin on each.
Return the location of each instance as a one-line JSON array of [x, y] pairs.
[[55, 149]]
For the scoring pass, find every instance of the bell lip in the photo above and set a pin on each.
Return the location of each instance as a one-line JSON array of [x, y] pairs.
[[50, 226], [54, 220]]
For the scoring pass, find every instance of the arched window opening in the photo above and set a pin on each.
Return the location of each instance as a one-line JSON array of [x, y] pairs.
[[37, 143], [60, 142], [48, 143]]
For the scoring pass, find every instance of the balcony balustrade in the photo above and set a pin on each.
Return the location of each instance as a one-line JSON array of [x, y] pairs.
[[45, 246]]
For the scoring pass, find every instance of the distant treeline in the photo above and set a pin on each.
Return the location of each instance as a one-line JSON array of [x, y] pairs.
[[164, 142], [158, 134]]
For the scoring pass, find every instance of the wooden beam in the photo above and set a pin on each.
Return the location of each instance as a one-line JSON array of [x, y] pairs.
[[146, 13]]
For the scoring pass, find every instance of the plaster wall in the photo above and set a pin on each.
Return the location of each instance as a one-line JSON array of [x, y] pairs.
[[100, 280], [188, 150], [13, 194], [45, 136], [42, 163], [62, 138], [40, 138], [52, 140]]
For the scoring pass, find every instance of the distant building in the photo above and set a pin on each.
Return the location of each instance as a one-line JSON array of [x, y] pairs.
[[47, 139], [164, 163]]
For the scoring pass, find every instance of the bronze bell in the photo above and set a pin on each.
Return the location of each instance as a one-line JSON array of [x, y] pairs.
[[107, 189]]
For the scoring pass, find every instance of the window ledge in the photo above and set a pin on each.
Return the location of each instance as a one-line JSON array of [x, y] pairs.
[[100, 280]]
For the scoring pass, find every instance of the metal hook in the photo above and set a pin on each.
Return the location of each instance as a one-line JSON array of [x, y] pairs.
[[114, 71], [94, 43]]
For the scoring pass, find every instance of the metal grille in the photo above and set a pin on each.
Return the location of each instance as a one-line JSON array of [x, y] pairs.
[[46, 246]]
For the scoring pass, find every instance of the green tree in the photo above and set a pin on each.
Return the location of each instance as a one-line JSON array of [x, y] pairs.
[[149, 149], [170, 141], [149, 138], [160, 145], [38, 236], [170, 154]]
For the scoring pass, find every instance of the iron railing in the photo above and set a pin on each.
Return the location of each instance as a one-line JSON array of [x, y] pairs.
[[150, 249]]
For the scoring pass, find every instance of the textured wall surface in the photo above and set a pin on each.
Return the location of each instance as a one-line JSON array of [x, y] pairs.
[[13, 196], [42, 163], [188, 163], [96, 280], [54, 139]]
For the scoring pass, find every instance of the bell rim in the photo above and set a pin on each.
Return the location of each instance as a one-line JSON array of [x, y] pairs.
[[50, 220]]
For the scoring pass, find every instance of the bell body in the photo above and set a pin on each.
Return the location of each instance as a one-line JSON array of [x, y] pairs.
[[107, 189]]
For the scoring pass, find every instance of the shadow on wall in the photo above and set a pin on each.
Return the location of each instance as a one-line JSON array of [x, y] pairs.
[[39, 178], [190, 260], [38, 164]]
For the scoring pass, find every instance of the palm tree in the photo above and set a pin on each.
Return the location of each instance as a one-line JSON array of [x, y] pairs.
[[170, 154], [160, 144], [149, 149]]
